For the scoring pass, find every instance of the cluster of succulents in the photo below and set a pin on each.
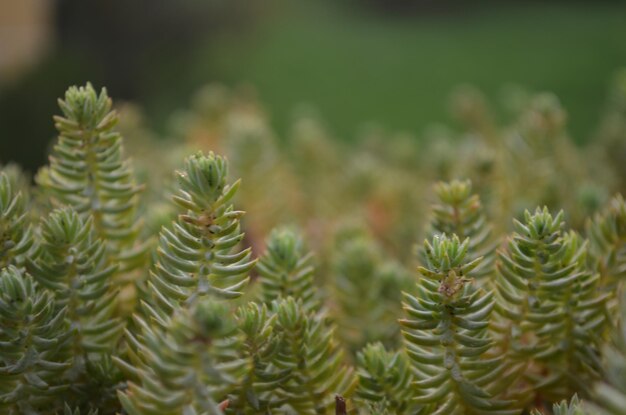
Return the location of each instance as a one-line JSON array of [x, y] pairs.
[[115, 301]]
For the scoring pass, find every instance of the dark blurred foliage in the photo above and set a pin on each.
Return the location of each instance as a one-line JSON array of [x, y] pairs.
[[128, 38], [413, 7], [396, 7], [135, 48], [387, 61]]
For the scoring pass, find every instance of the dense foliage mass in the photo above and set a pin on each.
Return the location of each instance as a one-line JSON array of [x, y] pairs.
[[114, 301]]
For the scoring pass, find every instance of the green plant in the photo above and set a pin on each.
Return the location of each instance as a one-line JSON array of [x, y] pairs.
[[199, 255], [460, 212], [286, 270], [72, 266], [552, 311], [15, 236], [33, 341], [446, 335], [178, 366], [573, 407], [385, 380], [194, 312], [313, 359], [367, 293], [88, 172], [610, 392], [607, 238]]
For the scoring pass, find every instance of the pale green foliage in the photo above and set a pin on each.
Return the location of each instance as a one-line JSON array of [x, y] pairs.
[[610, 394], [198, 254], [552, 309], [103, 313], [573, 407], [182, 366], [460, 212], [286, 270], [384, 381], [34, 338], [71, 264], [446, 335], [532, 260], [255, 391], [607, 236], [313, 359], [19, 179], [367, 292], [15, 233], [88, 172], [279, 348]]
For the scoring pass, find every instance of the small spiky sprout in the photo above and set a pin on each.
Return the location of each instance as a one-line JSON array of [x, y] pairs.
[[286, 269], [607, 237], [73, 266], [198, 254], [460, 212], [609, 394], [16, 236], [88, 172], [573, 407], [184, 367], [313, 359], [526, 269], [34, 343], [552, 311], [385, 380], [255, 390], [446, 336]]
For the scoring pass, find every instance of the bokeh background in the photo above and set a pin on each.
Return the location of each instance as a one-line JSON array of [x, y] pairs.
[[390, 62]]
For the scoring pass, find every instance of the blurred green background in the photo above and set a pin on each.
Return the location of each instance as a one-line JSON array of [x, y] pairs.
[[391, 62]]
